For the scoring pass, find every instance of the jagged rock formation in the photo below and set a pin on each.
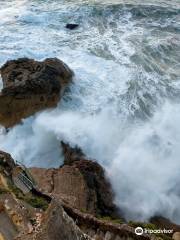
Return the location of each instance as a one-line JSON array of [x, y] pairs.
[[7, 161], [73, 202], [103, 229], [27, 219], [23, 216], [32, 217], [58, 225], [79, 182], [30, 86]]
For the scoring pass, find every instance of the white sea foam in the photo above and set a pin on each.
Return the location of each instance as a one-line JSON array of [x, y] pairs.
[[142, 160], [90, 104], [120, 109], [145, 168]]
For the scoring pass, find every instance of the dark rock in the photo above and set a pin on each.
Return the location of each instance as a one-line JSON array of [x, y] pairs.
[[100, 192], [71, 154], [30, 86], [7, 162], [72, 26]]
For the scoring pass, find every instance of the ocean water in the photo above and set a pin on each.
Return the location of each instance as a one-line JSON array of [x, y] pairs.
[[123, 106]]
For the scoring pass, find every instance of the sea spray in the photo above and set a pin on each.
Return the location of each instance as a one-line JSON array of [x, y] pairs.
[[145, 172], [140, 165], [122, 108]]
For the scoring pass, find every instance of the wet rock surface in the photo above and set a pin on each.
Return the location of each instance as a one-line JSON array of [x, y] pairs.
[[30, 86]]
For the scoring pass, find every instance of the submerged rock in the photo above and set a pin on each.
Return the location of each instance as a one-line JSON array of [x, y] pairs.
[[30, 86], [72, 26], [71, 155]]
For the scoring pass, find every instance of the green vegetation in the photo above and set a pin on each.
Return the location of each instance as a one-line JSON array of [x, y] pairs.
[[37, 202], [117, 221], [143, 225], [3, 191], [110, 219], [33, 221], [83, 210], [32, 199]]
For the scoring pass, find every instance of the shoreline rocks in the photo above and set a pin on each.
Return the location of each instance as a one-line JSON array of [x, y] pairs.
[[30, 86], [74, 201], [58, 221], [80, 182]]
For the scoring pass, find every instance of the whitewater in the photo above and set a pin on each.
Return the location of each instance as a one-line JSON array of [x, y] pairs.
[[122, 108]]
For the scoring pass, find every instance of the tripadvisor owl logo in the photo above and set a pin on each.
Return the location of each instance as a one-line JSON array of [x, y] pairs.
[[139, 231]]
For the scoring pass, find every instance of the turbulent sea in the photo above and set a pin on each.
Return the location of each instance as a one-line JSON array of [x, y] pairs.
[[123, 107]]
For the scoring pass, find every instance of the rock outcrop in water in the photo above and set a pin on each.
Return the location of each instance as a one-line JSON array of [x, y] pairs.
[[30, 86], [79, 182], [72, 26]]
